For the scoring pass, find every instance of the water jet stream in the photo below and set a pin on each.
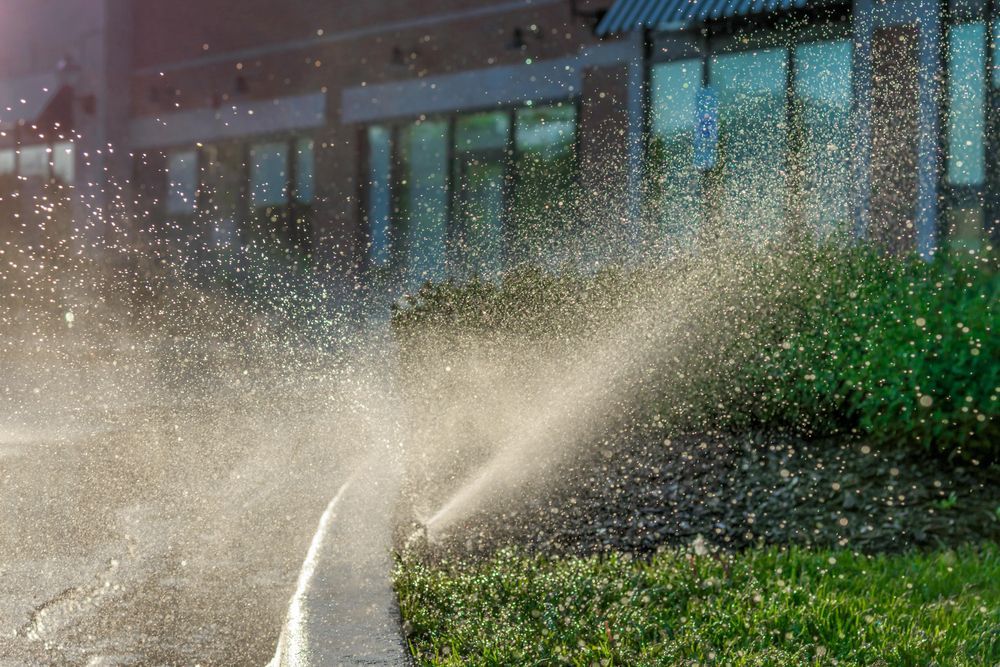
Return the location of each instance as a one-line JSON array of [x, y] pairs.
[[573, 407]]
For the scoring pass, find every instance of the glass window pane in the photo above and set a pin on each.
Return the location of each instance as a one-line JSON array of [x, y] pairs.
[[966, 104], [269, 174], [482, 131], [753, 137], [545, 178], [63, 164], [674, 179], [34, 161], [480, 154], [823, 91], [967, 10], [424, 199], [7, 161], [379, 195], [304, 165], [547, 131], [222, 185], [182, 181], [964, 225]]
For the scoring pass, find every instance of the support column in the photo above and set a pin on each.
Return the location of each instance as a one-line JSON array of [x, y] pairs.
[[100, 114], [862, 105], [928, 147], [636, 134]]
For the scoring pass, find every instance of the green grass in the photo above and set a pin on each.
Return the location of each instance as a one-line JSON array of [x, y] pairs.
[[761, 607]]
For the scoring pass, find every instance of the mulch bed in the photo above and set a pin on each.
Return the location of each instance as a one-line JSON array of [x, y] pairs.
[[740, 491]]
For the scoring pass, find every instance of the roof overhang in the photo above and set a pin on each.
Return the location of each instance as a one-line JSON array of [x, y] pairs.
[[628, 15]]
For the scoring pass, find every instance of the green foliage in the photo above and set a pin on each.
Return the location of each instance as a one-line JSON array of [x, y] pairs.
[[761, 607], [816, 340], [904, 351]]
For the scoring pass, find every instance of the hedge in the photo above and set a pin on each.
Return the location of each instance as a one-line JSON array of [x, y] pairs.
[[816, 340]]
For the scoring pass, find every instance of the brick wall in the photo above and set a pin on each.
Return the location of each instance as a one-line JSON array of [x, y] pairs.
[[191, 54]]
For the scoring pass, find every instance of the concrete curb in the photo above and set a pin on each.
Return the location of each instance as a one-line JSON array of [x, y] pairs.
[[344, 611]]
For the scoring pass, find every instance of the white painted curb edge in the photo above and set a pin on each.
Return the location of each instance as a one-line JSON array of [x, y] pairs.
[[293, 642]]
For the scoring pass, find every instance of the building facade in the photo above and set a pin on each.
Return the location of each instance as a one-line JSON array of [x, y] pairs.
[[397, 142], [387, 140], [63, 108], [878, 111]]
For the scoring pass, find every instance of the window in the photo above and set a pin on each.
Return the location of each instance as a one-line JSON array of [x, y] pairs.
[[823, 96], [479, 171], [305, 159], [41, 161], [7, 161], [544, 188], [379, 194], [63, 166], [469, 194], [779, 149], [34, 161], [674, 179], [269, 174], [750, 183], [966, 127], [281, 190], [221, 190], [182, 182], [966, 183], [424, 198]]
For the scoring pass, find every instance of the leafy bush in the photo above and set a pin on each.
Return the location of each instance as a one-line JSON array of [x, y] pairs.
[[814, 340], [901, 350]]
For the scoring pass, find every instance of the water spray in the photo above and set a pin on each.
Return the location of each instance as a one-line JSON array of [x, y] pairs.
[[418, 539]]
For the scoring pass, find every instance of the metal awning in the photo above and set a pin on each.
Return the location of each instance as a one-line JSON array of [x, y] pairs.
[[29, 99], [627, 15]]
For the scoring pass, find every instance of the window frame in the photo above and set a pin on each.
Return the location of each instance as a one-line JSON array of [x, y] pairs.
[[397, 260], [785, 30], [955, 197]]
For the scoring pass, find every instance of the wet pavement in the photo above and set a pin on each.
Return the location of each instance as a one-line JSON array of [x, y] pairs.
[[159, 536], [344, 609]]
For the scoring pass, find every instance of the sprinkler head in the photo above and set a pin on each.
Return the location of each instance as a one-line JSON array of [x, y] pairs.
[[418, 539]]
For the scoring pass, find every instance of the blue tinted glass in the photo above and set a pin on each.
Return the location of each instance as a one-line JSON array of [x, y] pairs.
[[379, 201], [304, 166], [425, 149], [753, 136], [182, 181], [823, 90], [674, 180], [966, 104], [269, 174]]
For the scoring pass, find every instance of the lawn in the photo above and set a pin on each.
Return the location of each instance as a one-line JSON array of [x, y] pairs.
[[683, 607]]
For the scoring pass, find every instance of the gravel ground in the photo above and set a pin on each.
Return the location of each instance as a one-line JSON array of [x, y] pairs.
[[738, 491]]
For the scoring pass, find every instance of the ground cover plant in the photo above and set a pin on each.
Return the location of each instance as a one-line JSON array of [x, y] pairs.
[[685, 607]]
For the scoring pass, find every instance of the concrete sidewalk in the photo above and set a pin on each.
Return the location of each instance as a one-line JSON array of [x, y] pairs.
[[344, 610]]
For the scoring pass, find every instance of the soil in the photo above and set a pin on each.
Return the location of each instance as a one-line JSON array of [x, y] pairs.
[[740, 491]]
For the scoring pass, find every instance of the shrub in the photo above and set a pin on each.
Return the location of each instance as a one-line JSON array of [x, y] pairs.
[[814, 340], [902, 350]]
